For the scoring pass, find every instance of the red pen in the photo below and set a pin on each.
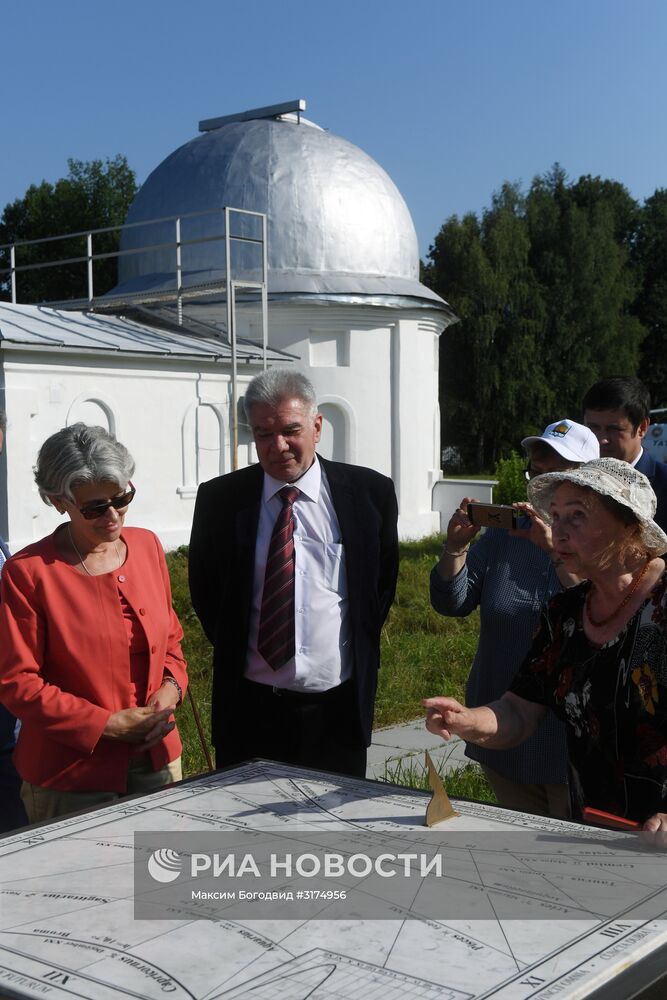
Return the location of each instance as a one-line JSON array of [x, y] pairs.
[[609, 819]]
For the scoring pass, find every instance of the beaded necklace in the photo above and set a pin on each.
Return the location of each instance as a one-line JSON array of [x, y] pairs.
[[601, 622]]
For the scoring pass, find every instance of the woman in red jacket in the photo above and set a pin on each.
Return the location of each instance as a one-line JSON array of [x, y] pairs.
[[90, 655]]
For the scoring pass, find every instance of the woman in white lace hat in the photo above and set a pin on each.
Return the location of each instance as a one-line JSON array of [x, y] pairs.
[[599, 660]]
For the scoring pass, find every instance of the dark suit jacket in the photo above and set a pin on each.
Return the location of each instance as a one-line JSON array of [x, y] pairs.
[[222, 552], [656, 473]]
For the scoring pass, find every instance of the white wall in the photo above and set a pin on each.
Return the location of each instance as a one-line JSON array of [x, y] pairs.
[[376, 373], [154, 408], [374, 368], [448, 493], [387, 391]]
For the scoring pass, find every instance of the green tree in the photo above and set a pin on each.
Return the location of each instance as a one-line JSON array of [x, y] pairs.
[[651, 303], [544, 285], [487, 361], [94, 195], [581, 238], [457, 260], [511, 479]]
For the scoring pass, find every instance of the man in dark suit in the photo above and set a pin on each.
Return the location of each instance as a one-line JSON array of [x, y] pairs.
[[293, 567], [617, 410]]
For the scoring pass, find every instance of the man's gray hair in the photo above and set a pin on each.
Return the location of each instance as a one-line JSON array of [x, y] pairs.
[[275, 385], [77, 455]]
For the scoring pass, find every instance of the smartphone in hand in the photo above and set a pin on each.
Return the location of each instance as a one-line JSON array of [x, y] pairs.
[[492, 515]]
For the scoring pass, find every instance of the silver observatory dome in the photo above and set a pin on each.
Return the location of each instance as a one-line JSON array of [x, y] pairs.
[[338, 228]]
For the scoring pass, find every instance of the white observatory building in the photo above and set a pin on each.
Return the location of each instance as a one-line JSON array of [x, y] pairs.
[[343, 284], [341, 279]]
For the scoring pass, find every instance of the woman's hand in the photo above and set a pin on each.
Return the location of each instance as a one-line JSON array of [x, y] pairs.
[[460, 530], [142, 726], [446, 717], [164, 697], [538, 532], [499, 725], [655, 830]]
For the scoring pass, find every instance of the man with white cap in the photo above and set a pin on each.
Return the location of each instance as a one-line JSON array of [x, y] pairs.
[[509, 575], [571, 441]]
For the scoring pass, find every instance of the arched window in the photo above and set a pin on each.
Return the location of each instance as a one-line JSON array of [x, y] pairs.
[[92, 411], [334, 442], [203, 440]]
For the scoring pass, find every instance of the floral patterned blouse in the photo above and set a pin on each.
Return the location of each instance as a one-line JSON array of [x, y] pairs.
[[612, 698]]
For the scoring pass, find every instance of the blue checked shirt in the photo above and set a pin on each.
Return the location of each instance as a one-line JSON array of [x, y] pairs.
[[509, 579]]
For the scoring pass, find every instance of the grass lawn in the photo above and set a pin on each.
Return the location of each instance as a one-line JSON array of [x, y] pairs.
[[422, 654]]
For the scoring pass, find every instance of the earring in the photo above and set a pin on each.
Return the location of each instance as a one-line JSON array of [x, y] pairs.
[[57, 505]]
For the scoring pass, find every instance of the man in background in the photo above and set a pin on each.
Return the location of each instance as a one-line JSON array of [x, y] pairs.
[[293, 567], [617, 410], [12, 813]]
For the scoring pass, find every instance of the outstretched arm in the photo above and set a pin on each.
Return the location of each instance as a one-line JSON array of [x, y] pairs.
[[500, 725]]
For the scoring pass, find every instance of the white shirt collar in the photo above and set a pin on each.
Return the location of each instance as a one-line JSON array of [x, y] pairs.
[[309, 484], [641, 452]]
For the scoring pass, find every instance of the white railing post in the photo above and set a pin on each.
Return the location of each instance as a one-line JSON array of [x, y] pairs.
[[265, 283], [89, 251], [12, 264], [179, 276], [231, 335]]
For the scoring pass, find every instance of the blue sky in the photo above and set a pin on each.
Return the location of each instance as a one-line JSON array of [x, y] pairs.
[[450, 98]]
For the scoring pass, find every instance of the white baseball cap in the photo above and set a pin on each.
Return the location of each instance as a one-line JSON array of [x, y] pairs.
[[572, 441]]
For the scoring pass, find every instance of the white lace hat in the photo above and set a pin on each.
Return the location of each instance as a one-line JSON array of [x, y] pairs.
[[611, 478]]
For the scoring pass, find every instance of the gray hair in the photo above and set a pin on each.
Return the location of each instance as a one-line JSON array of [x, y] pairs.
[[275, 385], [80, 454], [3, 421]]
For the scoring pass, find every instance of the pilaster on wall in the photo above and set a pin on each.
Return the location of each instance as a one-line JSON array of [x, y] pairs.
[[24, 405], [414, 382]]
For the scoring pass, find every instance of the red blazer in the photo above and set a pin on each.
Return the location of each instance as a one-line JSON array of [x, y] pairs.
[[65, 665]]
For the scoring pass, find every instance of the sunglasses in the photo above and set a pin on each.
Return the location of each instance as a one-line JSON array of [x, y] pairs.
[[92, 510]]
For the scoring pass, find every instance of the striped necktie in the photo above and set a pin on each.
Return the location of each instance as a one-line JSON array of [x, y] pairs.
[[275, 638]]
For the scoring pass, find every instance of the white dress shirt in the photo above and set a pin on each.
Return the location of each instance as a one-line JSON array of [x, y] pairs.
[[323, 653]]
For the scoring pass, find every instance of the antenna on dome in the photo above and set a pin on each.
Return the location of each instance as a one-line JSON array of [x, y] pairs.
[[271, 111]]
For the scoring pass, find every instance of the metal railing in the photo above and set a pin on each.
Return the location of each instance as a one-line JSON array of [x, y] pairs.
[[230, 285], [179, 291]]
